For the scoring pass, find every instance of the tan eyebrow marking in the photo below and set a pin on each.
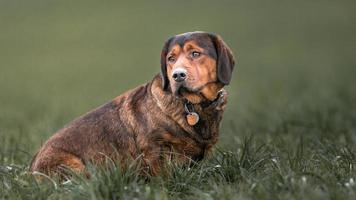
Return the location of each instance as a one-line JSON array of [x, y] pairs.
[[175, 50], [192, 45]]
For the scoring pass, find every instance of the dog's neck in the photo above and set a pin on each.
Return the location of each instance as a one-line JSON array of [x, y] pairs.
[[174, 108], [170, 105], [164, 99]]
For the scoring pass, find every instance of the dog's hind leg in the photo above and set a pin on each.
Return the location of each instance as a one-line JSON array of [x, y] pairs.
[[57, 162]]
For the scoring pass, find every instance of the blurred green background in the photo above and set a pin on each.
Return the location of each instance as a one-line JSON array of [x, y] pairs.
[[295, 64]]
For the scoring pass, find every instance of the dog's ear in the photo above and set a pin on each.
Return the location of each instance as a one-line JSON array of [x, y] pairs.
[[225, 61], [165, 80]]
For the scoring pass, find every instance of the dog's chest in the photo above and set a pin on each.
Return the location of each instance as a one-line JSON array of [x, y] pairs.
[[185, 147]]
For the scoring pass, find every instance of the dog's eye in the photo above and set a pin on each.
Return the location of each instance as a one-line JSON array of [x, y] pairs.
[[195, 54], [171, 59]]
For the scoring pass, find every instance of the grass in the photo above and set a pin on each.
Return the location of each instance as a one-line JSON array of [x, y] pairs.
[[309, 170], [289, 131]]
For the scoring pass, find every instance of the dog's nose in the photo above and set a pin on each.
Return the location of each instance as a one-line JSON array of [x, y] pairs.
[[179, 74]]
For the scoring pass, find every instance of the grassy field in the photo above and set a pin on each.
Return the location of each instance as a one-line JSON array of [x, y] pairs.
[[289, 131]]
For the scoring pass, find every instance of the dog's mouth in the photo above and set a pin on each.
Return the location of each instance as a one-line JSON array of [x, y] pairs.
[[182, 89]]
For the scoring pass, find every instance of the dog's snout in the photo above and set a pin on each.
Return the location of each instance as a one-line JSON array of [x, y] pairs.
[[179, 74]]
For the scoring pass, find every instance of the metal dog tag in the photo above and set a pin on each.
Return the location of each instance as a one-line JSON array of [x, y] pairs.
[[192, 118]]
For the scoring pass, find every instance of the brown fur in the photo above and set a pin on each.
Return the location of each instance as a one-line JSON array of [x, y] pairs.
[[146, 123]]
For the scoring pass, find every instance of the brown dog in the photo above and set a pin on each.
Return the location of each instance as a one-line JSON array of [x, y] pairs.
[[174, 116]]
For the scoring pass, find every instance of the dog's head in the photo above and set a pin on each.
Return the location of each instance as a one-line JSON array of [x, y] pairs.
[[196, 65]]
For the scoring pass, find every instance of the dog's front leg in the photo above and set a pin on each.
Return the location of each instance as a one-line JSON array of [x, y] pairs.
[[211, 117]]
